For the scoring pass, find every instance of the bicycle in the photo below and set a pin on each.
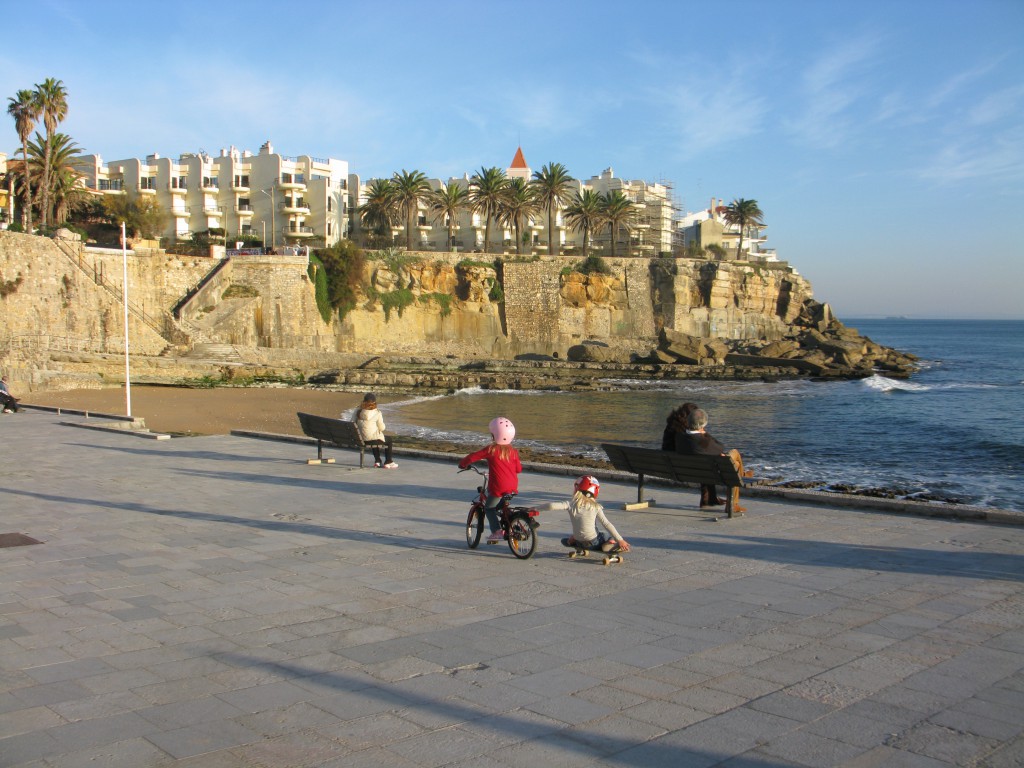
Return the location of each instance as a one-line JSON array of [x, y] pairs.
[[518, 526]]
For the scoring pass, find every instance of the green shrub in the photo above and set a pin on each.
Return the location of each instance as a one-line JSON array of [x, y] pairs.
[[443, 300], [397, 300], [592, 265], [318, 276], [343, 265], [497, 293]]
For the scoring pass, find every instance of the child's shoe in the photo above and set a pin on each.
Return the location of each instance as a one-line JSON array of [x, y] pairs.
[[495, 537], [390, 465], [376, 465]]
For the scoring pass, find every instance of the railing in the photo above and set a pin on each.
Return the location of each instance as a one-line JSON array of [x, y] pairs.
[[305, 230], [114, 289]]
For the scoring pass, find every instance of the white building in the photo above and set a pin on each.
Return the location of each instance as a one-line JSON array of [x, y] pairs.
[[651, 235], [700, 229], [281, 200]]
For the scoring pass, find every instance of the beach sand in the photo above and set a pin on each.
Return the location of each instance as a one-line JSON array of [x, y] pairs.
[[217, 411], [182, 411]]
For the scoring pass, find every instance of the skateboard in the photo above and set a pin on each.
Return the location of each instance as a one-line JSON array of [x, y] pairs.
[[611, 558]]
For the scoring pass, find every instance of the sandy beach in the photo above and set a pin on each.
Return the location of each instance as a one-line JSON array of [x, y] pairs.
[[183, 411]]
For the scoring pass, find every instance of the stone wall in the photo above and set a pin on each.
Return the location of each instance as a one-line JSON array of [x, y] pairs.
[[58, 304], [52, 303]]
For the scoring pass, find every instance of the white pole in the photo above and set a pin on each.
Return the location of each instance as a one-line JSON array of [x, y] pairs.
[[124, 293]]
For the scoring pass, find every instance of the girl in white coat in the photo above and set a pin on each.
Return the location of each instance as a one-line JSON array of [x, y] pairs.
[[370, 424]]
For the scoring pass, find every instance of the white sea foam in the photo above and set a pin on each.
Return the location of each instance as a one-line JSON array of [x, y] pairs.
[[883, 384]]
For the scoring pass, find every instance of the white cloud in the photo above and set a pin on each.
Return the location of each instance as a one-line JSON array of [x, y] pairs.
[[831, 87]]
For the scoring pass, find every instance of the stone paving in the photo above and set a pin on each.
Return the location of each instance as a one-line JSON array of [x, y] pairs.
[[217, 602]]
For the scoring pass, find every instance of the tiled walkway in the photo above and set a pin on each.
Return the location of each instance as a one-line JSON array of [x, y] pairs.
[[216, 602]]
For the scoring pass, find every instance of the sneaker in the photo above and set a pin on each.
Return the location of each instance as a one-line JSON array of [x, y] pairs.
[[376, 465], [390, 465], [495, 537]]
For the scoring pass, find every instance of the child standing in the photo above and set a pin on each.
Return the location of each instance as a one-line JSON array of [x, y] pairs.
[[370, 424], [584, 514], [503, 468]]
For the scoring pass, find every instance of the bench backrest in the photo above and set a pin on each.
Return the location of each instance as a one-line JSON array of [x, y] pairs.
[[711, 470], [341, 433]]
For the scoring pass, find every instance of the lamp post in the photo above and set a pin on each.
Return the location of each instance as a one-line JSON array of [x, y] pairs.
[[273, 217], [124, 295]]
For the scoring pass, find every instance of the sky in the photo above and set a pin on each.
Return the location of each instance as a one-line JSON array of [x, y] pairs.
[[882, 139]]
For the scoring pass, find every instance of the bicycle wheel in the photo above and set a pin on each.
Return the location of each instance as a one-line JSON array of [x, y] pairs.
[[522, 539], [474, 526]]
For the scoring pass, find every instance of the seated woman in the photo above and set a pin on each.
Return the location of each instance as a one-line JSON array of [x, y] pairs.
[[696, 440]]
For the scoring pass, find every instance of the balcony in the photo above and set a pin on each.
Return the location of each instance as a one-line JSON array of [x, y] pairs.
[[180, 213], [213, 211], [296, 182], [243, 210], [210, 185], [295, 207], [240, 185], [147, 191], [177, 190], [297, 231]]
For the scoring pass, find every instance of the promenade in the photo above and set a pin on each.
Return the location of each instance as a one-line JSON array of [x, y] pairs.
[[216, 602]]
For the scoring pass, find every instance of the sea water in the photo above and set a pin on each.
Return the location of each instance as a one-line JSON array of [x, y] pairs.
[[953, 430]]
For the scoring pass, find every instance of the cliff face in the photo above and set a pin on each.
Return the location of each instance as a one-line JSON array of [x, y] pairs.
[[59, 297]]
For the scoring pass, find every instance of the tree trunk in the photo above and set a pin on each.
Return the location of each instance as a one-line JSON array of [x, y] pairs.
[[28, 187], [45, 183]]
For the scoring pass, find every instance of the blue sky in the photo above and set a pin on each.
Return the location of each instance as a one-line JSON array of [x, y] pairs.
[[884, 141]]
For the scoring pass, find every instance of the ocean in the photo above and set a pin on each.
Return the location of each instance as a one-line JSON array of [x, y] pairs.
[[953, 431]]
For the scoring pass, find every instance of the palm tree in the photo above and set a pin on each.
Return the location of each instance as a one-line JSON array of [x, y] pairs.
[[52, 101], [584, 215], [24, 108], [743, 214], [64, 179], [618, 211], [487, 188], [519, 205], [554, 189], [446, 203], [407, 188], [377, 214]]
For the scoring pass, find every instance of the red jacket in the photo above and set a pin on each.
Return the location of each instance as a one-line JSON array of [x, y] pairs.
[[502, 474]]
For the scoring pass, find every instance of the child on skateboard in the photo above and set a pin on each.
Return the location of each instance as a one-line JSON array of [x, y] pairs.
[[503, 468], [584, 514]]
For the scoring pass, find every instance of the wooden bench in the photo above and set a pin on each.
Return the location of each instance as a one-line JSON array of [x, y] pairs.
[[710, 470], [342, 434]]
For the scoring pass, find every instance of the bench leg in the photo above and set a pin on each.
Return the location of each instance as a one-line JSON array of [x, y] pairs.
[[641, 502], [319, 454]]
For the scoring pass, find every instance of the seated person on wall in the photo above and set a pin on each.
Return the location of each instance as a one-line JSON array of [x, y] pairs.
[[370, 424], [7, 400], [695, 440]]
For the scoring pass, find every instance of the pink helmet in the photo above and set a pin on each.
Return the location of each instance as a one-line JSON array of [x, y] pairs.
[[502, 430], [588, 484]]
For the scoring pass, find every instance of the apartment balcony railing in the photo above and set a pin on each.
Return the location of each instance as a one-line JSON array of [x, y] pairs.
[[244, 210], [297, 231]]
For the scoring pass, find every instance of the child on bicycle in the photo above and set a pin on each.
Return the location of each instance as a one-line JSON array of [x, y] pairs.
[[503, 468], [584, 514]]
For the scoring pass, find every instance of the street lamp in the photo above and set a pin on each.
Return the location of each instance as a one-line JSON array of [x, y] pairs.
[[273, 218]]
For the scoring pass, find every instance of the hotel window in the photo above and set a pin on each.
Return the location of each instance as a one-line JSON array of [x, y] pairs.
[[147, 182], [330, 204]]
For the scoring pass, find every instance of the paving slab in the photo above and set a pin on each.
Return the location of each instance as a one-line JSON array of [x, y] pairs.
[[215, 601]]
